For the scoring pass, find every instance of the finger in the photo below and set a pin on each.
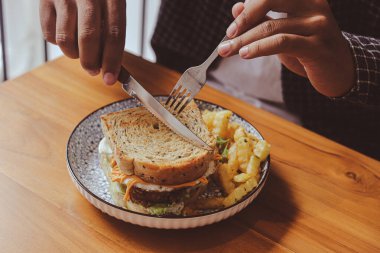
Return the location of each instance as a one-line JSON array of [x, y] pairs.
[[290, 44], [255, 11], [48, 20], [89, 39], [252, 13], [300, 26], [237, 9], [66, 28], [115, 22]]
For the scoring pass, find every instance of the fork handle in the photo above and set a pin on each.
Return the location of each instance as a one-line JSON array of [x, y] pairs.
[[206, 64]]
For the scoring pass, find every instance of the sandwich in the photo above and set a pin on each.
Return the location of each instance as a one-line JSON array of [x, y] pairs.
[[151, 169]]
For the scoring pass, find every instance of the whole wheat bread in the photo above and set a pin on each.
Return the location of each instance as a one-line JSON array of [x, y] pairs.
[[144, 146]]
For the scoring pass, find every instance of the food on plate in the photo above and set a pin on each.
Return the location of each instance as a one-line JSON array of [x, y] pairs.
[[242, 153], [154, 171], [150, 168]]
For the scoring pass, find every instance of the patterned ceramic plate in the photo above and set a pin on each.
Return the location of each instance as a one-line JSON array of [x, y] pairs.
[[88, 177]]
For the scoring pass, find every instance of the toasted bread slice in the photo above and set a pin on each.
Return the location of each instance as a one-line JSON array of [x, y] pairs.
[[144, 146]]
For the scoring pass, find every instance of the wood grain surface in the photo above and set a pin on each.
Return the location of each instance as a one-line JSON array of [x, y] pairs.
[[320, 196]]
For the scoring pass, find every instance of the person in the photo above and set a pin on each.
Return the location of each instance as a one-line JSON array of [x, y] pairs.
[[330, 51]]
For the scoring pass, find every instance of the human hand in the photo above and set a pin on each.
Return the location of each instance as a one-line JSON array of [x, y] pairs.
[[308, 42], [91, 30]]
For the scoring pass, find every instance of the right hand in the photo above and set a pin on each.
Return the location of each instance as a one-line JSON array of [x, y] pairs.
[[308, 41], [91, 30]]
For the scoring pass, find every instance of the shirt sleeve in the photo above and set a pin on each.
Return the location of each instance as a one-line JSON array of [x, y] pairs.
[[366, 53]]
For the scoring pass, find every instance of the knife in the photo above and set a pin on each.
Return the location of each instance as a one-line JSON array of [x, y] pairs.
[[134, 89]]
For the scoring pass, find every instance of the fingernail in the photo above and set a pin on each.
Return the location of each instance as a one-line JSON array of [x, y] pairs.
[[109, 78], [243, 52], [93, 72], [224, 48], [232, 30]]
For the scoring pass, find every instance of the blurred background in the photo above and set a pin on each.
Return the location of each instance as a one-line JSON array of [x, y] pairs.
[[23, 47]]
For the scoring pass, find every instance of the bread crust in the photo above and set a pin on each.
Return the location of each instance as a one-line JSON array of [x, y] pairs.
[[125, 163]]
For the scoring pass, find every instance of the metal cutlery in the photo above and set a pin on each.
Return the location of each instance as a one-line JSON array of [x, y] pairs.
[[134, 89], [189, 84]]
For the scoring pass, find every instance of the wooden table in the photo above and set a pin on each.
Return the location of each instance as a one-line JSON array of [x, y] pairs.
[[320, 196]]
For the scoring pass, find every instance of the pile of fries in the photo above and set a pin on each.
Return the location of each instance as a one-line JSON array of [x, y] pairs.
[[241, 155]]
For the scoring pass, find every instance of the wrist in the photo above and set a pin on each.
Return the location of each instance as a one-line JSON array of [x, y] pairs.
[[345, 81]]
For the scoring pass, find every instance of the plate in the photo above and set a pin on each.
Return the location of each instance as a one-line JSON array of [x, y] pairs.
[[89, 179]]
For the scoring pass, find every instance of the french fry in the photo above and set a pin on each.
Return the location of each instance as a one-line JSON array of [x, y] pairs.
[[244, 152], [208, 118], [242, 177], [253, 167], [221, 123], [240, 192], [233, 162], [262, 149], [225, 177], [253, 137], [239, 133], [232, 126]]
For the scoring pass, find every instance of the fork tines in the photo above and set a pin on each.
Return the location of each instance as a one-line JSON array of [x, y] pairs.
[[180, 97]]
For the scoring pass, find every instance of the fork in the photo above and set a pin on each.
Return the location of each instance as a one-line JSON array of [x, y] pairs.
[[189, 84]]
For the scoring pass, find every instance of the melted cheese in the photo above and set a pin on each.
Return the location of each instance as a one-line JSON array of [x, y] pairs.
[[116, 174]]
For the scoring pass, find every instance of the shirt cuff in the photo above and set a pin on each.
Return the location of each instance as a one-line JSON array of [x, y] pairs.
[[365, 67]]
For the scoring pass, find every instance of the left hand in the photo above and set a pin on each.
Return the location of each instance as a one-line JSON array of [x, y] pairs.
[[308, 42]]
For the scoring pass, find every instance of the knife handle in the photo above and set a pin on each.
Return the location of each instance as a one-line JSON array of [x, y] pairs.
[[123, 75]]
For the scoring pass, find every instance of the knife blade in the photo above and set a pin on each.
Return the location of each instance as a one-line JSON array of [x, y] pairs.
[[134, 89]]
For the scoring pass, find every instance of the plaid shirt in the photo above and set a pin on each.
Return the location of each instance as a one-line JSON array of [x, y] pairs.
[[187, 31]]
